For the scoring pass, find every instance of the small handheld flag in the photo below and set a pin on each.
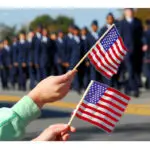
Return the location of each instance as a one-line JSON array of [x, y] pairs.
[[102, 106], [108, 52]]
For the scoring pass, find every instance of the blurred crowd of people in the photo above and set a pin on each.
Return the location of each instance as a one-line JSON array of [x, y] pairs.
[[38, 54]]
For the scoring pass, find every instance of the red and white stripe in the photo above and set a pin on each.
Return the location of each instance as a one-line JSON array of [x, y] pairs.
[[108, 62], [107, 112]]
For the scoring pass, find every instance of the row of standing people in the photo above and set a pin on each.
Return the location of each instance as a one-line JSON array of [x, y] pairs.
[[41, 54], [38, 55]]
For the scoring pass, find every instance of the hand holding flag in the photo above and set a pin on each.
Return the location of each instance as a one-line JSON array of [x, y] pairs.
[[102, 106]]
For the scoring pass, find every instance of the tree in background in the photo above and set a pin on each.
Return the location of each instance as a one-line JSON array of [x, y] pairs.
[[44, 20], [7, 31], [61, 22]]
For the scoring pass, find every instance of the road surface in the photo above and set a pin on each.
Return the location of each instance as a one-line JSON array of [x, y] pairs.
[[134, 125]]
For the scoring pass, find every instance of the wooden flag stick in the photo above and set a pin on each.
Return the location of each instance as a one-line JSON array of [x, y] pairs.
[[82, 59], [74, 113]]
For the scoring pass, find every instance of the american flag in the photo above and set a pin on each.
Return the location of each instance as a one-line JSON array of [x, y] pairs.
[[108, 52], [102, 106]]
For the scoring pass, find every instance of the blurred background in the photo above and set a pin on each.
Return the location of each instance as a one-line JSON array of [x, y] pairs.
[[36, 43]]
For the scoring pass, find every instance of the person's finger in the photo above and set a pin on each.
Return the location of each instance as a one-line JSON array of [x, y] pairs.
[[60, 128], [72, 74], [65, 77], [65, 137], [67, 83], [65, 86], [72, 129], [58, 138]]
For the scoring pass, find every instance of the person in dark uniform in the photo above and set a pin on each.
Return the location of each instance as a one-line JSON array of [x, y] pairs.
[[37, 50], [1, 64], [8, 58], [75, 57], [86, 64], [52, 66], [68, 46], [146, 50], [92, 37], [131, 31], [15, 71], [30, 58], [60, 56], [3, 73], [22, 61], [45, 47], [110, 20]]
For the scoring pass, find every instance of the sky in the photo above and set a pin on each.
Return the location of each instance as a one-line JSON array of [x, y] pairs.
[[81, 16]]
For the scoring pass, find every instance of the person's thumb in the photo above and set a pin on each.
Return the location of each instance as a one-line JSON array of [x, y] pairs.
[[66, 77], [62, 128]]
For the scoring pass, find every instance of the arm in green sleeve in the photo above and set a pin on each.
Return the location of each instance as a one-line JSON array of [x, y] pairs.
[[13, 121]]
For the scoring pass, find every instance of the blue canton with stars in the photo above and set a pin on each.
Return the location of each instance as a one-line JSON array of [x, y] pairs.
[[109, 39], [95, 92]]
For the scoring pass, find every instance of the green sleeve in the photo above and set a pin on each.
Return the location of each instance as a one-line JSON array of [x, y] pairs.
[[13, 121]]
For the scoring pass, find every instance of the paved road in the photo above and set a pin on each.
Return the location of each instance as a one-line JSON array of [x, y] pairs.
[[135, 124]]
